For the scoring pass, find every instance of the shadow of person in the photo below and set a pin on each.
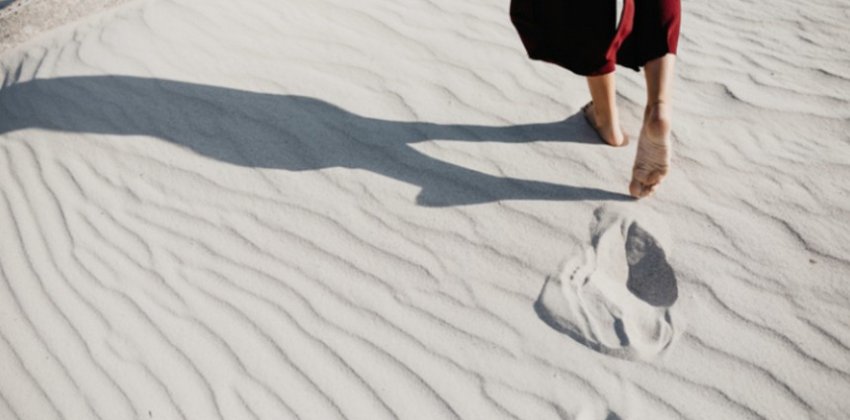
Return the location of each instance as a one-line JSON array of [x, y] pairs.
[[287, 132]]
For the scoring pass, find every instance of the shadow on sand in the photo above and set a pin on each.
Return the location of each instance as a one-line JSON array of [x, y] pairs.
[[287, 132]]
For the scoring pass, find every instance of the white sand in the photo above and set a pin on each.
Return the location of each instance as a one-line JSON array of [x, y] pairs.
[[21, 20], [325, 209]]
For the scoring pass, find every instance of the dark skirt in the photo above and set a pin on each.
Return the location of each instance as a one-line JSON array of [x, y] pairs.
[[583, 37]]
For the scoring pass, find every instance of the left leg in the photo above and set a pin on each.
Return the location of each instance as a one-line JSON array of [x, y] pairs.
[[602, 113]]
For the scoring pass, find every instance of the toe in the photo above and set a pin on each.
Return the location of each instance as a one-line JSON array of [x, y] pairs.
[[636, 189], [654, 177], [640, 190], [645, 181]]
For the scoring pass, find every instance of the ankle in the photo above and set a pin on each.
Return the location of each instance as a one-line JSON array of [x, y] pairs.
[[657, 119]]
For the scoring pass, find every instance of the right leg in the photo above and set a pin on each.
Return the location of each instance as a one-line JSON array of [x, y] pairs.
[[602, 114], [653, 155], [656, 34]]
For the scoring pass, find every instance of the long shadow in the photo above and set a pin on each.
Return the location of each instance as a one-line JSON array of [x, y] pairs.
[[288, 132]]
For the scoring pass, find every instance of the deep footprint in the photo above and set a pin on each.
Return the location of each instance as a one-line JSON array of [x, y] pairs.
[[650, 276], [614, 296]]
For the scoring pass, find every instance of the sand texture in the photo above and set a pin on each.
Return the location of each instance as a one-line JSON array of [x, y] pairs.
[[22, 20], [327, 209]]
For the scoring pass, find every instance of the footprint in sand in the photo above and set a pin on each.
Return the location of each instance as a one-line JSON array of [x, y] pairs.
[[614, 296]]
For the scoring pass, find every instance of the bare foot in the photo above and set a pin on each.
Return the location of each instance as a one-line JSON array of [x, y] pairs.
[[609, 131], [652, 161]]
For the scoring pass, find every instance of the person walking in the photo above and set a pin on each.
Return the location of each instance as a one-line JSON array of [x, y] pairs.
[[589, 38]]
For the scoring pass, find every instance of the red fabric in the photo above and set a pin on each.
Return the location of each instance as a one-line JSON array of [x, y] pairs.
[[580, 36], [655, 32]]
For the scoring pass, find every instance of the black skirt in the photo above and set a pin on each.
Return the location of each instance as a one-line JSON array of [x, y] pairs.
[[584, 37]]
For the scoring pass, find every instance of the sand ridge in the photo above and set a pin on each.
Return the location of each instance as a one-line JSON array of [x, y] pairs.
[[321, 209]]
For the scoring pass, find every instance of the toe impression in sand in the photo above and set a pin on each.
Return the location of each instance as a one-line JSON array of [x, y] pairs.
[[615, 295]]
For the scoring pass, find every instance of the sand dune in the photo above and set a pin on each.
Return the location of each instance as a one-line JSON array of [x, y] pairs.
[[325, 209]]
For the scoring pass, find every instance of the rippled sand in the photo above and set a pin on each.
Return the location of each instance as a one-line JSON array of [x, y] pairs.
[[324, 209]]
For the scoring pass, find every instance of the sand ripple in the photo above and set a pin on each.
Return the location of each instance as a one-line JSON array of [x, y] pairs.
[[328, 210]]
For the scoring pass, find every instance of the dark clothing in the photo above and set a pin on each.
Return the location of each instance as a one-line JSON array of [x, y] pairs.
[[583, 37]]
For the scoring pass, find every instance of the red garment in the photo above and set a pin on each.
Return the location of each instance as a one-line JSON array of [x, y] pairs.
[[582, 36]]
